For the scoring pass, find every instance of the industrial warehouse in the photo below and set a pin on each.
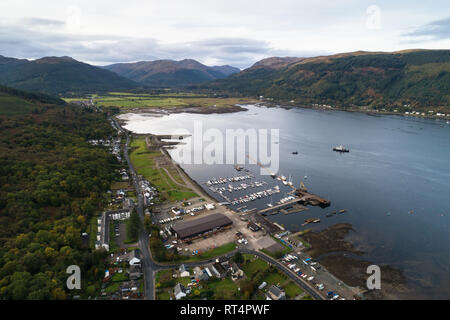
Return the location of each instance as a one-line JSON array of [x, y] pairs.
[[201, 226]]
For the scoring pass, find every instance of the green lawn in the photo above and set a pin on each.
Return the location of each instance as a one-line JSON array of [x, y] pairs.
[[252, 267], [119, 277], [165, 295], [163, 275], [212, 253], [275, 278], [224, 289], [131, 102], [113, 287], [292, 290], [144, 162]]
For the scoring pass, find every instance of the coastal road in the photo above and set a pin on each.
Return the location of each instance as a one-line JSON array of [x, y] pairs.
[[148, 266], [305, 286]]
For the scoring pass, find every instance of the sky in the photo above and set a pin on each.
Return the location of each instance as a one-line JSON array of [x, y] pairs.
[[233, 32]]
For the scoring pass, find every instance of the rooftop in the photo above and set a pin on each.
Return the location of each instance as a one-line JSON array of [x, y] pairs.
[[201, 225]]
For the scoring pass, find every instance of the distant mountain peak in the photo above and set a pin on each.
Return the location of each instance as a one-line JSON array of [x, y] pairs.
[[56, 60], [171, 73]]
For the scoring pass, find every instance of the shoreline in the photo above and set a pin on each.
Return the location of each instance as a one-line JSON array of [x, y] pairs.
[[241, 108], [344, 265], [337, 254]]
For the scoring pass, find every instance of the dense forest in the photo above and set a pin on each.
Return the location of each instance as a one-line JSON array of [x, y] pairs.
[[52, 182], [419, 78]]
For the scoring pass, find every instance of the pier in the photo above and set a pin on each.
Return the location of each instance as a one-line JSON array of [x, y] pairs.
[[282, 207], [307, 198]]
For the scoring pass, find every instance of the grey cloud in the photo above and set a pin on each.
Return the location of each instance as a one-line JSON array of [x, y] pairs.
[[439, 29], [39, 22], [24, 41]]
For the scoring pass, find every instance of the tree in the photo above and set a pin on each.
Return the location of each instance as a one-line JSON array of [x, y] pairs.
[[133, 226], [238, 258]]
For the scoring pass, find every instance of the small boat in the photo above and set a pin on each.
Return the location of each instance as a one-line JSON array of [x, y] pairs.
[[295, 152], [311, 220], [341, 148], [342, 211]]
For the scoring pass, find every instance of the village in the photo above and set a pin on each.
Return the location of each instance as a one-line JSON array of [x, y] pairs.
[[213, 252]]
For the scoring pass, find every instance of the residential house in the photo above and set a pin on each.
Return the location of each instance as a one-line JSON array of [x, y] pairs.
[[236, 272], [219, 269], [179, 291], [275, 293], [134, 258], [184, 271], [135, 272]]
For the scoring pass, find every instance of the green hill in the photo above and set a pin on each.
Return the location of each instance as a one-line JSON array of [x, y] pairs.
[[55, 75], [13, 101], [416, 77], [53, 183]]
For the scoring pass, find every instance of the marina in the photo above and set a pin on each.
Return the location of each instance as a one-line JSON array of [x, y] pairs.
[[372, 173]]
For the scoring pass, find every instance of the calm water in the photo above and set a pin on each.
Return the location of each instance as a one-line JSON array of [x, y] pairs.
[[396, 165]]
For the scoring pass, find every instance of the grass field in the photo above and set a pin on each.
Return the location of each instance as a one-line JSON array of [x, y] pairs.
[[144, 163], [292, 290], [128, 100], [211, 253], [132, 102], [252, 266], [11, 105]]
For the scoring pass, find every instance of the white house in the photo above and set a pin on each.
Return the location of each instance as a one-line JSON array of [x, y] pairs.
[[184, 272], [134, 258], [179, 291]]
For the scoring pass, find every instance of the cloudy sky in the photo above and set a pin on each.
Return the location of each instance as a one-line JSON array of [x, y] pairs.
[[235, 32]]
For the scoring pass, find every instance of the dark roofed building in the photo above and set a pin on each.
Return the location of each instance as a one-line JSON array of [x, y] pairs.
[[275, 293], [200, 226]]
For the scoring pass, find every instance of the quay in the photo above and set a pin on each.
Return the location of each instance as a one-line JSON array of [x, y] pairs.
[[282, 206], [311, 199]]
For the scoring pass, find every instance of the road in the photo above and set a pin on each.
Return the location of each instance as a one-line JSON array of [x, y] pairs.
[[309, 289], [150, 266]]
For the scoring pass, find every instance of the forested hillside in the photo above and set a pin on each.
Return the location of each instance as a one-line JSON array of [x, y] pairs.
[[55, 75], [52, 182], [417, 77]]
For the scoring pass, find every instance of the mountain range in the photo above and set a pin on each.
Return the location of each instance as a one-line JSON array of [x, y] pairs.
[[360, 78], [416, 77], [170, 73]]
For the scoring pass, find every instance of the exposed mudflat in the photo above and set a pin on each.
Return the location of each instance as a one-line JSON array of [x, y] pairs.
[[344, 261]]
